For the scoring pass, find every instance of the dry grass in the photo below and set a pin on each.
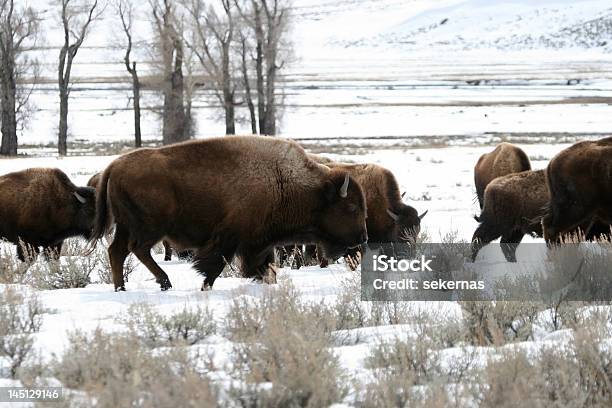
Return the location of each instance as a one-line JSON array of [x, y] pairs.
[[12, 271], [20, 318], [187, 327], [282, 352], [114, 370]]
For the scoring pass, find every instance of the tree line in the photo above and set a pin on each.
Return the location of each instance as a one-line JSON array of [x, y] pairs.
[[234, 48]]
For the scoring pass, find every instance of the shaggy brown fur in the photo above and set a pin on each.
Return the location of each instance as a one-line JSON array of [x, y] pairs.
[[223, 197], [41, 208], [94, 181], [382, 195], [505, 159], [514, 206], [580, 182]]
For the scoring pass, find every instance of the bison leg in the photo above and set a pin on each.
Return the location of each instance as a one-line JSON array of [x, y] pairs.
[[310, 255], [210, 263], [167, 250], [562, 220], [598, 231], [482, 236], [352, 258], [509, 244], [117, 252], [259, 265], [143, 253]]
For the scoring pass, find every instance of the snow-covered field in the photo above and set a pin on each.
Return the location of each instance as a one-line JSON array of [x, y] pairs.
[[421, 87], [435, 179]]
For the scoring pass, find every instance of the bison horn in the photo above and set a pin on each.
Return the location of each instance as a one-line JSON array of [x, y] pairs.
[[79, 197], [403, 194], [393, 215], [423, 215], [344, 188]]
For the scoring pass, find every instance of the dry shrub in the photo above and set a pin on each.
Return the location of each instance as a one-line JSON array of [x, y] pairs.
[[20, 318], [350, 312], [187, 327], [576, 374], [496, 323], [12, 271], [409, 372], [551, 379], [105, 272], [283, 358], [115, 370], [67, 273]]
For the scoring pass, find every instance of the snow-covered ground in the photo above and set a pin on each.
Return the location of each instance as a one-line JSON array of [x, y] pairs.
[[421, 87], [436, 179]]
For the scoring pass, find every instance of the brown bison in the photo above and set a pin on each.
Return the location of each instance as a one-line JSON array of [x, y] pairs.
[[504, 159], [238, 195], [580, 182], [94, 181], [514, 206], [389, 219], [41, 208]]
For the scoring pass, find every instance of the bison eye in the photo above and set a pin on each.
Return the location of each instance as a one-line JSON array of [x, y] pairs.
[[352, 209]]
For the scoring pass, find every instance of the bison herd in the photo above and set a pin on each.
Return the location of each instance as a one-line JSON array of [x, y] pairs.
[[572, 196], [240, 197]]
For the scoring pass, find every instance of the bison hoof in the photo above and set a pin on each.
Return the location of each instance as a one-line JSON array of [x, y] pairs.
[[167, 258], [206, 287], [165, 285], [120, 289]]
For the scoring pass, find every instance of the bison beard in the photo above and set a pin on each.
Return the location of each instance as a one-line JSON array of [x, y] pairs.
[[28, 195], [580, 183], [225, 197]]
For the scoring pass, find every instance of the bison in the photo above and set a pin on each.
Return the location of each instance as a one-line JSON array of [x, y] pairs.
[[579, 179], [221, 197], [41, 208], [504, 159], [389, 219], [514, 206]]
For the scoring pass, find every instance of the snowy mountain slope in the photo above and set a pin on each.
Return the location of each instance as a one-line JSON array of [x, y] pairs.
[[469, 24]]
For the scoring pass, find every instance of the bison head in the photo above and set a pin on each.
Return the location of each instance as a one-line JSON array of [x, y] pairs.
[[342, 221], [407, 223], [85, 209]]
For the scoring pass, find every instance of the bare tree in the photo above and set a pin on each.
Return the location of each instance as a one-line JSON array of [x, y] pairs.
[[211, 41], [76, 19], [243, 50], [18, 26], [269, 22], [169, 44], [125, 10]]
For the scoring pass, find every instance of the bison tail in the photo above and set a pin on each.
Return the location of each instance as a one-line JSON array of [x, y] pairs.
[[102, 220]]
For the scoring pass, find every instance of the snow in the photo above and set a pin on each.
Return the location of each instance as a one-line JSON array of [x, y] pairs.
[[380, 81], [442, 175]]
